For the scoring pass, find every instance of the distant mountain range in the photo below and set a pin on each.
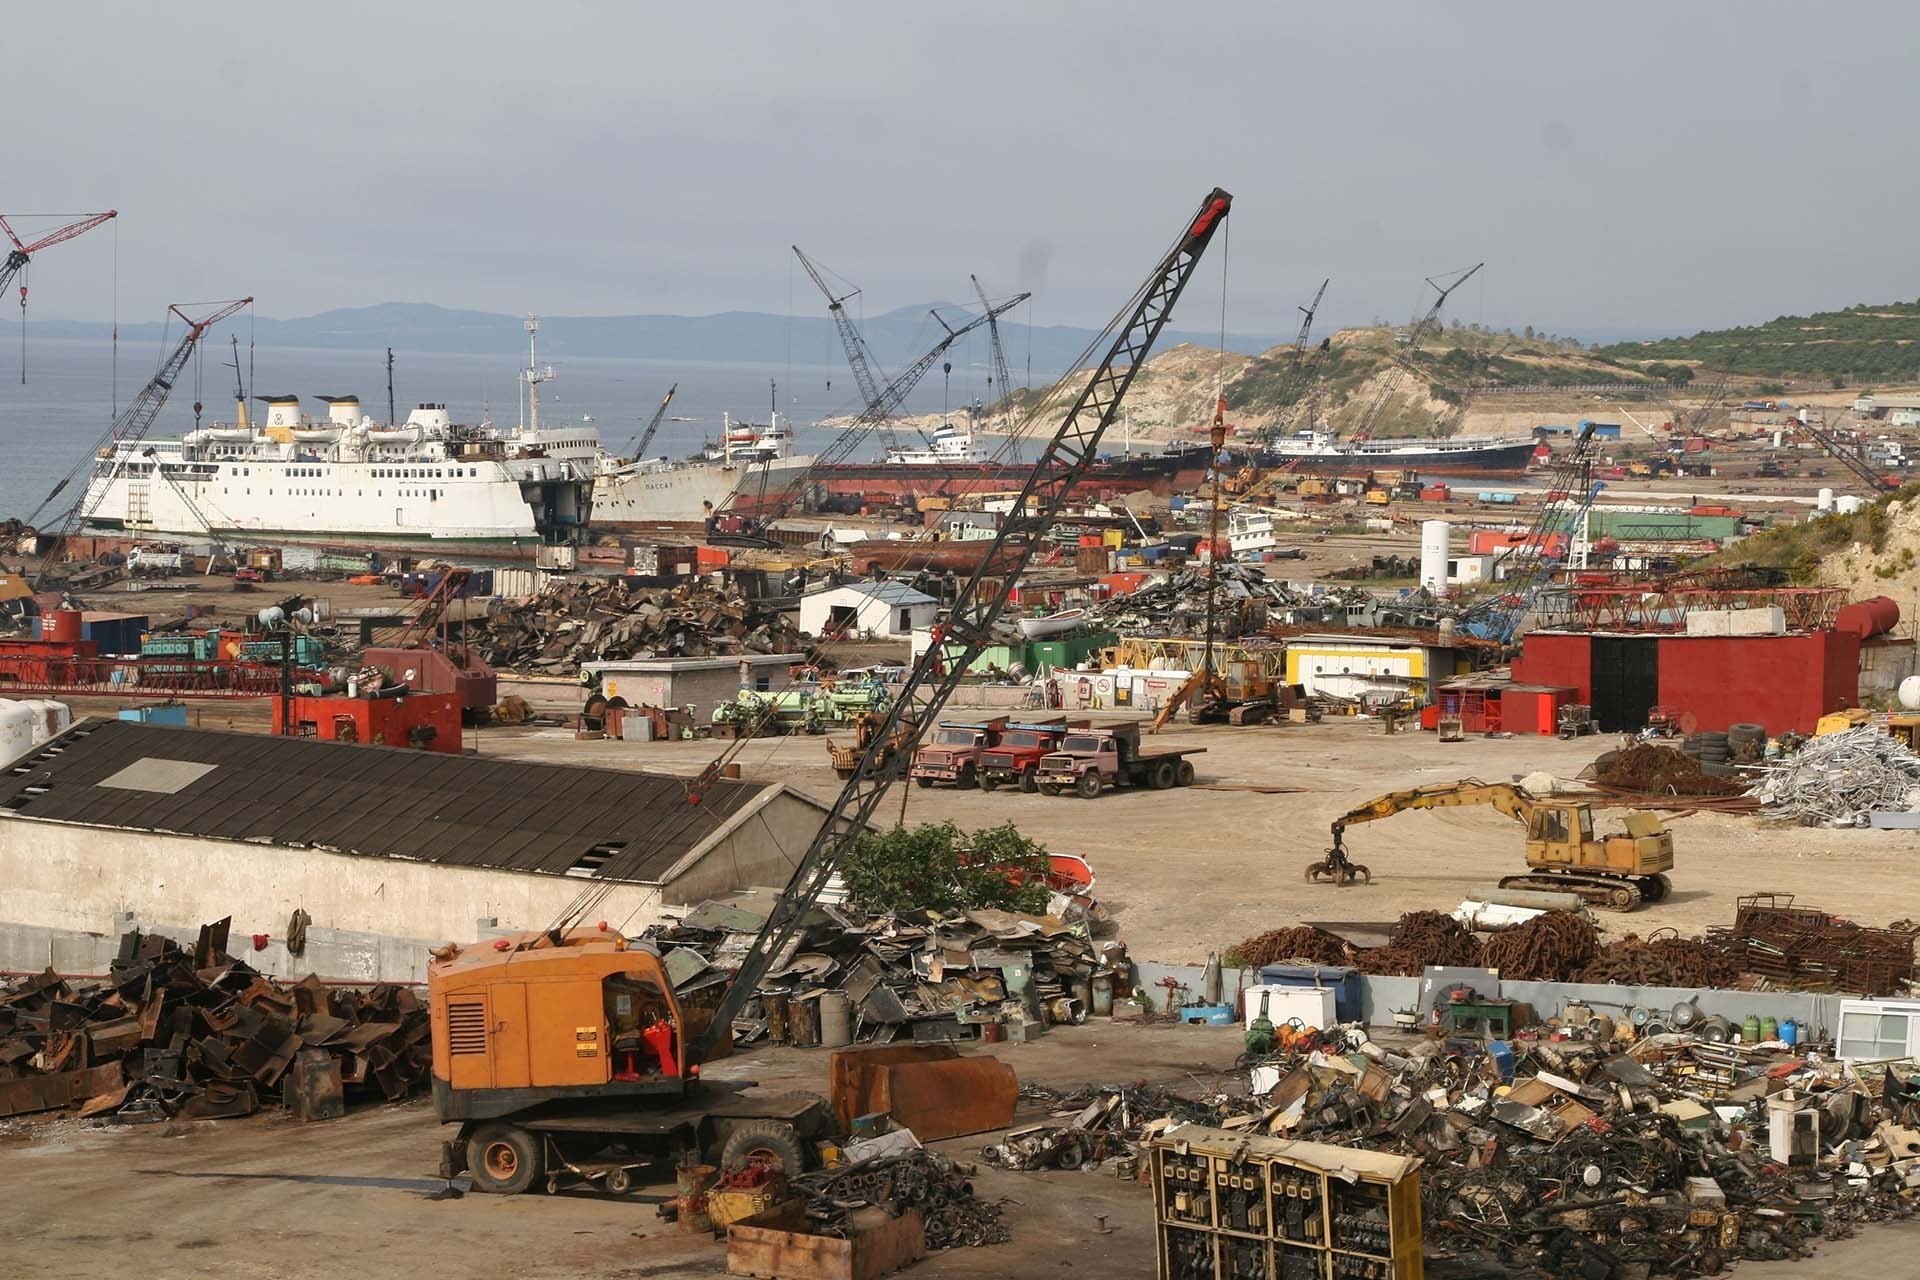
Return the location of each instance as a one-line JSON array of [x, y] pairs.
[[896, 338]]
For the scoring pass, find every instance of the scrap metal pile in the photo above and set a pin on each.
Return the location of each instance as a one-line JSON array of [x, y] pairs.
[[195, 1033], [920, 1180], [1806, 949], [906, 977], [1647, 768], [1772, 944], [1842, 779], [1576, 1158], [1247, 602], [572, 623]]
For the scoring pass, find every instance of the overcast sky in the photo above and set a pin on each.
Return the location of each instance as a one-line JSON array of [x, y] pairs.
[[1663, 165]]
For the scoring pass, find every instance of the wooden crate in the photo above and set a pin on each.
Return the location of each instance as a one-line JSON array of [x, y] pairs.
[[775, 1246]]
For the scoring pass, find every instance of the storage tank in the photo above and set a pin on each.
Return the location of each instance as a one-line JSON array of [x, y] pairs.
[[16, 731], [1823, 500], [1435, 538], [1874, 616], [1909, 694], [1846, 504], [64, 625]]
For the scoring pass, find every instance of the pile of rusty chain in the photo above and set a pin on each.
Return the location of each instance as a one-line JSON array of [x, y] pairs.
[[1301, 943], [1663, 959], [1546, 948], [923, 1180], [1422, 938]]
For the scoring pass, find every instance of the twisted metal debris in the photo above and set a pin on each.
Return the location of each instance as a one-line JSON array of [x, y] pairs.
[[1840, 779], [924, 1180]]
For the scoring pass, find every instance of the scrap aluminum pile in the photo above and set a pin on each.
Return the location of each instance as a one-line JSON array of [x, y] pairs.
[[920, 1180], [1842, 779], [1577, 1158], [1247, 601], [925, 978], [578, 622], [196, 1034], [1772, 945]]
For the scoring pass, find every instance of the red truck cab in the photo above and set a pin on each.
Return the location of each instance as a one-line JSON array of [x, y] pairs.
[[954, 753], [1015, 759]]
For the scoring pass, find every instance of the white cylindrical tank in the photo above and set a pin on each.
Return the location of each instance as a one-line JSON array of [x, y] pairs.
[[16, 731], [1823, 500], [1846, 504], [1435, 538], [1910, 693]]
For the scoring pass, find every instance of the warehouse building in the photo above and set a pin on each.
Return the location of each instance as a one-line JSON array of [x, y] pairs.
[[387, 851], [874, 610]]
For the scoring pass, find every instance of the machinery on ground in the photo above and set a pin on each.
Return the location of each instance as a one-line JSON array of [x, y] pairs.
[[1091, 760], [866, 727], [954, 754], [569, 1049], [1616, 871], [1015, 759]]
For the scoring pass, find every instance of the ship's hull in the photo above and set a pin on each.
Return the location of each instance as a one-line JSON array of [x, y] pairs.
[[1503, 458], [892, 481], [683, 497]]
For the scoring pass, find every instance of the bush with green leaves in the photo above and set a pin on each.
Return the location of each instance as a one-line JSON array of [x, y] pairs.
[[938, 867]]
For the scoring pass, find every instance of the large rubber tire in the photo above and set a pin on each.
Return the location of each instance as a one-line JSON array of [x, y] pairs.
[[1028, 782], [1089, 784], [925, 782], [988, 784], [969, 778], [1183, 774], [1162, 776], [504, 1159], [1048, 788], [763, 1141]]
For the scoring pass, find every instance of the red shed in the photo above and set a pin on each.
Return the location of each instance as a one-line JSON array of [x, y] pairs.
[[430, 721]]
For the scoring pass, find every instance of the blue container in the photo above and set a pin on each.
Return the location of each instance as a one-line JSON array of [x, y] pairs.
[[1348, 990], [1502, 1054], [1789, 1032], [174, 714]]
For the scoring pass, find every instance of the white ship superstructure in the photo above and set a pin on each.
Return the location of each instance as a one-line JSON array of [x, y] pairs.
[[730, 475], [948, 446], [344, 477]]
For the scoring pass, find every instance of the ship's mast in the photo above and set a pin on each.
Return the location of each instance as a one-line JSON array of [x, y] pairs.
[[535, 374]]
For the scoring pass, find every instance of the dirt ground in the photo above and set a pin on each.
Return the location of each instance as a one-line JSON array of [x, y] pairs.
[[1189, 871]]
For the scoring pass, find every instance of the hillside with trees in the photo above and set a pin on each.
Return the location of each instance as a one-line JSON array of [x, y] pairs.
[[1859, 346]]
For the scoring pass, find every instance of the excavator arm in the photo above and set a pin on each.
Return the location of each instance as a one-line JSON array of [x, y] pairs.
[[1513, 801]]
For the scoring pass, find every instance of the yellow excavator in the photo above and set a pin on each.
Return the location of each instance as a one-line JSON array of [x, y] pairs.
[[1617, 871]]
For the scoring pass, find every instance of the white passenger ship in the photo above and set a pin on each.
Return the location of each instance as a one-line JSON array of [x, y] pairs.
[[347, 478]]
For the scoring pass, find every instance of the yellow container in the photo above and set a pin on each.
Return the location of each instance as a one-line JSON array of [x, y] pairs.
[[1113, 537], [728, 1207]]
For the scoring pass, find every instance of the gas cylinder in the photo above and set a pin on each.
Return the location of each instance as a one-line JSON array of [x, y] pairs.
[[1789, 1032], [1769, 1029], [1750, 1030]]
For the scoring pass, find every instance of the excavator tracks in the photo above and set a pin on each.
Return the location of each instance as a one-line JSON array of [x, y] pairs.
[[1609, 893]]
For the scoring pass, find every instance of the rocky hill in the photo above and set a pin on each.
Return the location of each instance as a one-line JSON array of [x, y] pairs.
[[1433, 391]]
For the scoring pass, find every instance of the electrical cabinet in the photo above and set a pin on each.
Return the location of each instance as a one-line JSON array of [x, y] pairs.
[[1241, 1206]]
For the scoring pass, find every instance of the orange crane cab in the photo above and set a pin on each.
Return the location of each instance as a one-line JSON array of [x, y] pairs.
[[570, 1052]]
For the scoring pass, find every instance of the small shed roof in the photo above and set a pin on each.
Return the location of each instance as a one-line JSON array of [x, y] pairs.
[[886, 592]]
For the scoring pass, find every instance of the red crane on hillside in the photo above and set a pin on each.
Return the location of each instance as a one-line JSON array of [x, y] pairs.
[[22, 253]]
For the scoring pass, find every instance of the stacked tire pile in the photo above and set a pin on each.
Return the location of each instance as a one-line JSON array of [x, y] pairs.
[[1720, 753]]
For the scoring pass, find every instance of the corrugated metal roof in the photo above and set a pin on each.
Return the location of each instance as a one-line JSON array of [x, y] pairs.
[[887, 592], [388, 802]]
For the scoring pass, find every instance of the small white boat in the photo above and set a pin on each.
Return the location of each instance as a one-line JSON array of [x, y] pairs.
[[1053, 625]]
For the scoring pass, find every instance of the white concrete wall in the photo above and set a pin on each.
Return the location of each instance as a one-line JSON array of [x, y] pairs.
[[80, 879]]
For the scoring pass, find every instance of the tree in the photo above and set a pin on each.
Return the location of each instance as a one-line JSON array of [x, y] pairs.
[[938, 867]]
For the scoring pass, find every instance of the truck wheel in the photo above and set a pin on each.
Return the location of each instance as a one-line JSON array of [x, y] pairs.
[[969, 778], [1029, 783], [1089, 784], [925, 782], [987, 783], [1049, 788], [767, 1142], [505, 1159], [1183, 774], [1162, 776]]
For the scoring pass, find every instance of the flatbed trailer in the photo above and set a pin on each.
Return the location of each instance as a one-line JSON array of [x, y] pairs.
[[1092, 760]]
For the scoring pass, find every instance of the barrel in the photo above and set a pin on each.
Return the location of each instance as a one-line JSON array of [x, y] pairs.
[[1873, 616], [63, 625], [836, 1020]]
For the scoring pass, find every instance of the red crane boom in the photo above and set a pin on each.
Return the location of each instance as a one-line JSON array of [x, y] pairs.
[[22, 253]]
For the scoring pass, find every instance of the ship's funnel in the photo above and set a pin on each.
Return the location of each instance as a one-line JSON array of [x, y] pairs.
[[282, 411], [430, 417], [342, 411]]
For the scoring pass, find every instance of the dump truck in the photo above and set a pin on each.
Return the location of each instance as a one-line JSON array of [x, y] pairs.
[[1015, 759], [954, 754], [1618, 871], [1091, 760]]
